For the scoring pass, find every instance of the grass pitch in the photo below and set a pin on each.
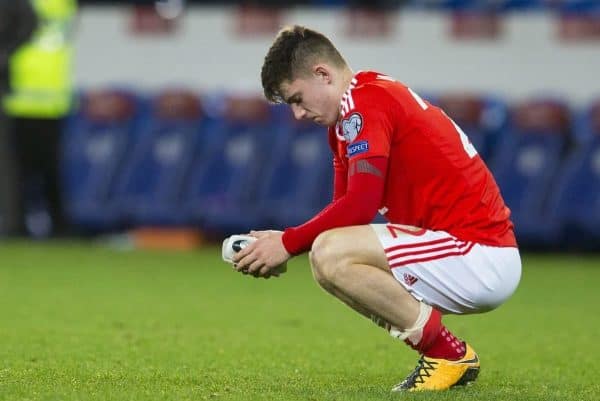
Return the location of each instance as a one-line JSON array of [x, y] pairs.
[[78, 322]]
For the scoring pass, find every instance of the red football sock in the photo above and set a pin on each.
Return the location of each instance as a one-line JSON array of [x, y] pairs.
[[437, 341], [446, 346]]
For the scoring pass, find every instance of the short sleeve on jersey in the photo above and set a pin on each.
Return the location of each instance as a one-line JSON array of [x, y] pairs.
[[367, 128]]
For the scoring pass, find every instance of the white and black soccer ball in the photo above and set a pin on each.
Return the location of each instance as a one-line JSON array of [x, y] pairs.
[[233, 245]]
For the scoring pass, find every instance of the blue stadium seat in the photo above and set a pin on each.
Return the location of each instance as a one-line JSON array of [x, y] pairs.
[[222, 191], [149, 190], [523, 5], [478, 5], [299, 182], [576, 199], [329, 3], [580, 7], [526, 164], [482, 118], [440, 4], [587, 122], [96, 139]]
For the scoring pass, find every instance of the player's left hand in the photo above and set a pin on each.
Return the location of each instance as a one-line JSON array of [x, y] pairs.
[[260, 257]]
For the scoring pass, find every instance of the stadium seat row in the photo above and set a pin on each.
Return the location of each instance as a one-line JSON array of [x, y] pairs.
[[568, 6], [563, 6], [231, 163], [576, 6], [168, 161]]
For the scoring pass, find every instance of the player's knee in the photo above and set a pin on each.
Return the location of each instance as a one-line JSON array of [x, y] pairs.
[[326, 259]]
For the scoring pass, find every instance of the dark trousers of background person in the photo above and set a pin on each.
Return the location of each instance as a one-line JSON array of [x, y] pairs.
[[17, 23], [36, 144], [9, 188]]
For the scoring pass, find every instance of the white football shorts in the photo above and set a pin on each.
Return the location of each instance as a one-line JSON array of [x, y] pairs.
[[451, 275]]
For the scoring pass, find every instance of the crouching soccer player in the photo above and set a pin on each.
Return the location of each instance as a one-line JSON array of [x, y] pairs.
[[449, 245]]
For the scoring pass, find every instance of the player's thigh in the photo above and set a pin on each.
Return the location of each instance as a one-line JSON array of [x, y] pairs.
[[452, 275], [348, 245]]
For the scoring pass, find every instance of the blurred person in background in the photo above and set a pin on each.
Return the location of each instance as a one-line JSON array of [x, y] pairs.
[[39, 98], [449, 245], [17, 23]]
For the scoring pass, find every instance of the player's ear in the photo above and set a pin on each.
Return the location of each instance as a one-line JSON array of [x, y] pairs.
[[322, 72]]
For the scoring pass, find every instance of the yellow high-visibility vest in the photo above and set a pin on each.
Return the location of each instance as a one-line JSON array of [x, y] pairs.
[[40, 71]]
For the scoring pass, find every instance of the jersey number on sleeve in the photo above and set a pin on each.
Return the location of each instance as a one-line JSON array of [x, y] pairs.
[[464, 139]]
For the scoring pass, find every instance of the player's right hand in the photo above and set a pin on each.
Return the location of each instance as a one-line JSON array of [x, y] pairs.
[[265, 257]]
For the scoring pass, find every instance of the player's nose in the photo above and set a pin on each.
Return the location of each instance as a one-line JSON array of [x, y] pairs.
[[298, 111]]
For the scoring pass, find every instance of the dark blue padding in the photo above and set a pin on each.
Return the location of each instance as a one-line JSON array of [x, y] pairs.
[[587, 123], [479, 5], [524, 169], [443, 4], [329, 3], [575, 203], [524, 5], [299, 182], [526, 164], [580, 7], [96, 140], [150, 188], [222, 190]]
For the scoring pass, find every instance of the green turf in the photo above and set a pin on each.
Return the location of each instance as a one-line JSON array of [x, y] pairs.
[[78, 322]]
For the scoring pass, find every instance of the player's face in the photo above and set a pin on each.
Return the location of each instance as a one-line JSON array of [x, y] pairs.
[[312, 98]]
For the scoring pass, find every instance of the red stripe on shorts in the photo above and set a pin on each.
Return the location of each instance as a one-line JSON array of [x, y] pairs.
[[417, 244], [427, 250], [434, 257]]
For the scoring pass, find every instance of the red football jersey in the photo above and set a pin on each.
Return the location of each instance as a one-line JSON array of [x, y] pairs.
[[435, 178]]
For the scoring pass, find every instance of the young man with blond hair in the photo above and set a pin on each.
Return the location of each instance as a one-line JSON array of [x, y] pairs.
[[449, 246]]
